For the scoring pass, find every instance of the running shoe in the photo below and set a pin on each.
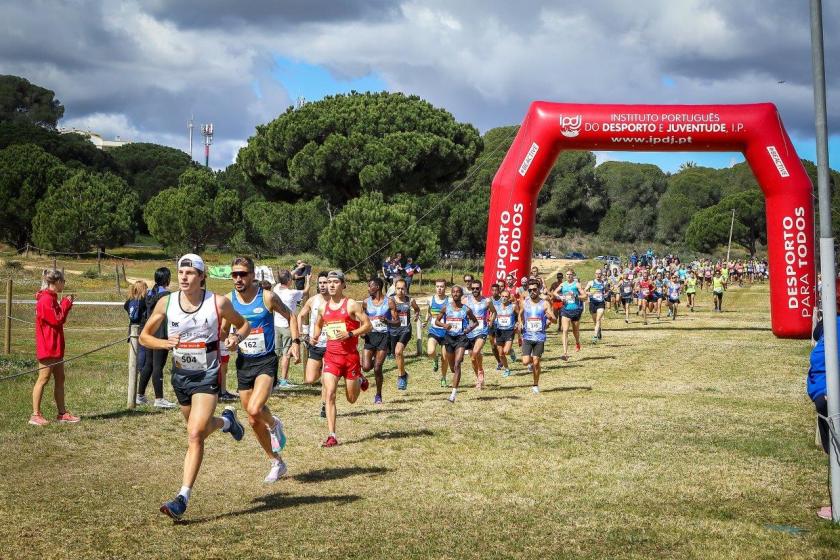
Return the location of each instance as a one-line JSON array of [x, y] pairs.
[[283, 384], [594, 338], [626, 321], [499, 366], [227, 396], [235, 429], [278, 469], [506, 373], [67, 418], [512, 355], [451, 397], [402, 382], [38, 420], [530, 368], [331, 442], [443, 382], [535, 390], [377, 399], [175, 508], [278, 436], [323, 413], [564, 357], [364, 384], [577, 347], [140, 400], [163, 403], [435, 367]]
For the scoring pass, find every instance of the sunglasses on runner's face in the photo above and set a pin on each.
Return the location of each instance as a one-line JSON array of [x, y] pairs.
[[239, 274]]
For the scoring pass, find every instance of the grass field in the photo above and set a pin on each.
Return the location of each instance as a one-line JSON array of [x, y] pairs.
[[686, 439]]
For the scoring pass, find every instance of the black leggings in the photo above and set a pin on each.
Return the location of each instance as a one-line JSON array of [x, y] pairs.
[[153, 369], [821, 404]]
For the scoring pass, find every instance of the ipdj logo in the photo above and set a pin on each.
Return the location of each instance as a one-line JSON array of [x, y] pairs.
[[570, 126]]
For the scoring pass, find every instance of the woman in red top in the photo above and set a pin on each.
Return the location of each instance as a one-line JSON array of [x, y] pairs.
[[50, 315]]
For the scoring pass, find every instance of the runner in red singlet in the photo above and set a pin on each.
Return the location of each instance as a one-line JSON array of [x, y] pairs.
[[344, 320]]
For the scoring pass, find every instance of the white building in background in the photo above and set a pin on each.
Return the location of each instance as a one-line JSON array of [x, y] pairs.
[[96, 139]]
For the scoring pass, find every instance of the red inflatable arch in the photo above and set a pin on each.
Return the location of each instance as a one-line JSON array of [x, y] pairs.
[[755, 130]]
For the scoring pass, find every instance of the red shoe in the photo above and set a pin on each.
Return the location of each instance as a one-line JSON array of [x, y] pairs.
[[824, 513], [67, 417], [577, 347], [38, 420], [331, 442], [365, 383]]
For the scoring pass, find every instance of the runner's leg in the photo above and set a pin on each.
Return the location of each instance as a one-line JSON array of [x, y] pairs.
[[200, 424]]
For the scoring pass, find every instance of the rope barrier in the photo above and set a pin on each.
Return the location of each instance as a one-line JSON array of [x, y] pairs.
[[434, 207], [35, 370]]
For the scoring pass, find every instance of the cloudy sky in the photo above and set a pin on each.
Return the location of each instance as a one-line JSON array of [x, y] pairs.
[[139, 69]]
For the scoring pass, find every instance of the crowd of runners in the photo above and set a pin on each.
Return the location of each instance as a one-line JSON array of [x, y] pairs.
[[268, 327]]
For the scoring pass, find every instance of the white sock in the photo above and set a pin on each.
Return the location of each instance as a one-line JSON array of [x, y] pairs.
[[226, 425], [277, 461], [185, 492], [332, 434], [454, 392]]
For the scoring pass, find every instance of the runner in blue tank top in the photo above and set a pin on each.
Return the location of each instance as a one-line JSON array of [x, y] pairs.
[[377, 341], [496, 298], [534, 317], [399, 327], [436, 334], [506, 324], [673, 287], [458, 320], [569, 293], [485, 314], [256, 361], [595, 289]]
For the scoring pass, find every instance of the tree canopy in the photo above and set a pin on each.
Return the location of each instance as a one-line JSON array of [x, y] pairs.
[[346, 145], [23, 101], [87, 210], [27, 172], [149, 168], [633, 190]]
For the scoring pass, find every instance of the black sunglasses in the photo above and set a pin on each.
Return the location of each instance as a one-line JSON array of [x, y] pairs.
[[239, 274]]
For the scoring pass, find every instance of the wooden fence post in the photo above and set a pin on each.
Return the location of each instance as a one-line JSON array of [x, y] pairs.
[[7, 343], [99, 260], [133, 349], [124, 276], [419, 337], [27, 251], [55, 265], [117, 274]]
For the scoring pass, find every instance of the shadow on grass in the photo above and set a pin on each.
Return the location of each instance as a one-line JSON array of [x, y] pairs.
[[403, 434], [514, 397], [273, 502], [401, 401], [596, 358], [322, 475], [298, 390], [658, 328], [373, 411], [566, 389], [121, 414]]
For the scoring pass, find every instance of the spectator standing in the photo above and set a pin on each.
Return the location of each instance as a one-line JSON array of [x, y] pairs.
[[291, 297], [411, 268], [155, 359], [135, 306], [50, 316]]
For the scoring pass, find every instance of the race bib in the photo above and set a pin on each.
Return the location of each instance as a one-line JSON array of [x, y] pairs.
[[480, 325], [403, 319], [378, 324], [533, 324], [504, 321], [627, 289], [335, 330], [190, 356], [570, 297], [645, 292], [254, 343], [598, 296], [456, 325]]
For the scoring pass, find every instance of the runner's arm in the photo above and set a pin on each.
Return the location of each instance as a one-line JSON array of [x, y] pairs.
[[549, 312], [147, 337], [392, 308], [440, 320], [491, 318], [229, 314], [319, 325], [357, 311], [416, 308], [473, 321], [304, 312]]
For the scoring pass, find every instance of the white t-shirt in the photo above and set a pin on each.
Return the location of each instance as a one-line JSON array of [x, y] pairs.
[[289, 297]]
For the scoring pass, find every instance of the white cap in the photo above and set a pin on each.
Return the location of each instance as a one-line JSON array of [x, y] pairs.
[[193, 260]]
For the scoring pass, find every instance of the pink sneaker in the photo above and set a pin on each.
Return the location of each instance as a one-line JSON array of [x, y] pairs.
[[38, 420], [824, 513], [67, 417]]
